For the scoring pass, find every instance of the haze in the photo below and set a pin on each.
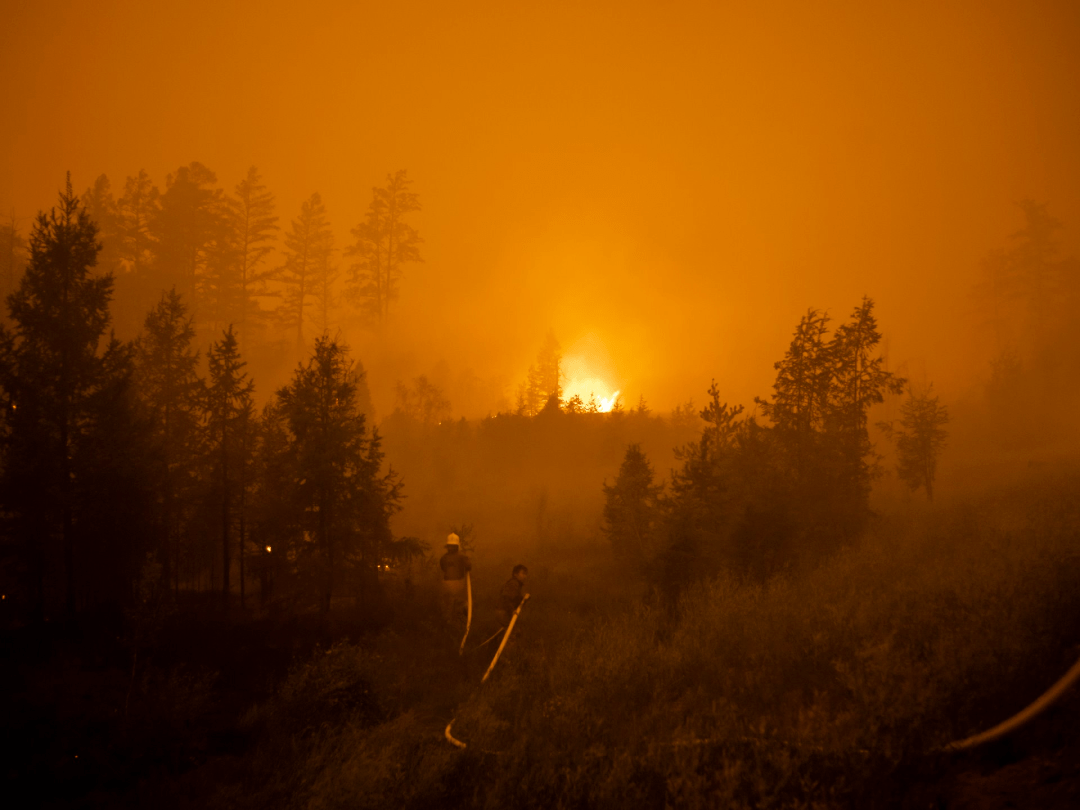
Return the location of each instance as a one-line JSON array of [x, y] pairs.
[[680, 181]]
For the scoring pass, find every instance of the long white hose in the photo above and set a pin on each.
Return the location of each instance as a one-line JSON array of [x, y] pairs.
[[506, 637], [491, 666], [468, 621], [1017, 720]]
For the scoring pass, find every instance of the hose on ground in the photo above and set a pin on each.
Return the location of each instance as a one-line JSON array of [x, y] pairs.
[[1034, 709], [509, 629]]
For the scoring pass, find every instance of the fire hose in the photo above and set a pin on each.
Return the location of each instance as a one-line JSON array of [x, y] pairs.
[[506, 637], [1041, 704], [468, 620], [1037, 707]]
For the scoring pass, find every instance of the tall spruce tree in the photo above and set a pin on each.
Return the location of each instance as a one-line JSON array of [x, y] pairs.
[[137, 288], [53, 376], [340, 496], [423, 401], [632, 510], [137, 209], [308, 244], [801, 391], [920, 439], [228, 415], [13, 255], [859, 381], [384, 242], [543, 383], [100, 204], [173, 394], [187, 228], [324, 290], [254, 225]]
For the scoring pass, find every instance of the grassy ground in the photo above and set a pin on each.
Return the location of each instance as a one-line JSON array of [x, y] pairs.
[[829, 688]]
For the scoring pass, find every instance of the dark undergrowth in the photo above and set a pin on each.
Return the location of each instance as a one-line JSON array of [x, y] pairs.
[[827, 688]]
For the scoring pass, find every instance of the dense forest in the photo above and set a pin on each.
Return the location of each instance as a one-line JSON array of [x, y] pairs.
[[215, 533]]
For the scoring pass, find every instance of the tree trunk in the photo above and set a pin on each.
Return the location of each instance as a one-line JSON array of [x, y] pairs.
[[224, 520]]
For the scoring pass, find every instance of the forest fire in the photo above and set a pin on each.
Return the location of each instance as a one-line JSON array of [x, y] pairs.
[[750, 329], [588, 374]]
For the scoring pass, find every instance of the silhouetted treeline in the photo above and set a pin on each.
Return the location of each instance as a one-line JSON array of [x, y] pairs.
[[759, 497], [231, 260], [130, 474], [524, 481], [1029, 298]]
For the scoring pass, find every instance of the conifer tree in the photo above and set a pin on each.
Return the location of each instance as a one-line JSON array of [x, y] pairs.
[[255, 227], [102, 208], [228, 414], [324, 290], [13, 255], [137, 289], [137, 209], [544, 379], [384, 242], [802, 388], [173, 393], [859, 381], [423, 401], [339, 496], [920, 439], [631, 509], [186, 228], [53, 375], [276, 527], [307, 249]]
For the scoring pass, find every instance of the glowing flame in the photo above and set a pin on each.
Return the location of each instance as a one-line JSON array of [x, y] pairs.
[[268, 549], [588, 374], [608, 403]]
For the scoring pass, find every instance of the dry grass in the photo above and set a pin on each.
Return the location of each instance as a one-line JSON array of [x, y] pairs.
[[818, 690]]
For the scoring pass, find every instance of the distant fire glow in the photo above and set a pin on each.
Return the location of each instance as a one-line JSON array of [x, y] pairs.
[[589, 373]]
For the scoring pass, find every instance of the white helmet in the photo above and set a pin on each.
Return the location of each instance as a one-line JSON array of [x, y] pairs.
[[453, 540]]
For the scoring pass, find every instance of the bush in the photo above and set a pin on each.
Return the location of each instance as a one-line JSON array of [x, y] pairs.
[[822, 689]]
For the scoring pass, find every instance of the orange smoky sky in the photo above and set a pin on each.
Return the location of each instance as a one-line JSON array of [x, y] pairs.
[[675, 181]]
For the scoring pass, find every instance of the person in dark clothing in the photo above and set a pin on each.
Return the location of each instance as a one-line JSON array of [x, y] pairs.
[[511, 594], [455, 566]]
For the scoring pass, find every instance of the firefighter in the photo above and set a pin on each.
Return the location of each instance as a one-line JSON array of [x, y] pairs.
[[455, 566], [511, 595]]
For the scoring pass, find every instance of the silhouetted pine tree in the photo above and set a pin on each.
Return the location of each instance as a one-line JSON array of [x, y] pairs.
[[802, 388], [136, 288], [307, 248], [544, 379], [631, 510], [101, 206], [340, 496], [276, 526], [424, 402], [13, 256], [173, 395], [700, 508], [324, 290], [187, 229], [384, 242], [859, 381], [920, 439], [55, 376], [228, 416], [255, 227]]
